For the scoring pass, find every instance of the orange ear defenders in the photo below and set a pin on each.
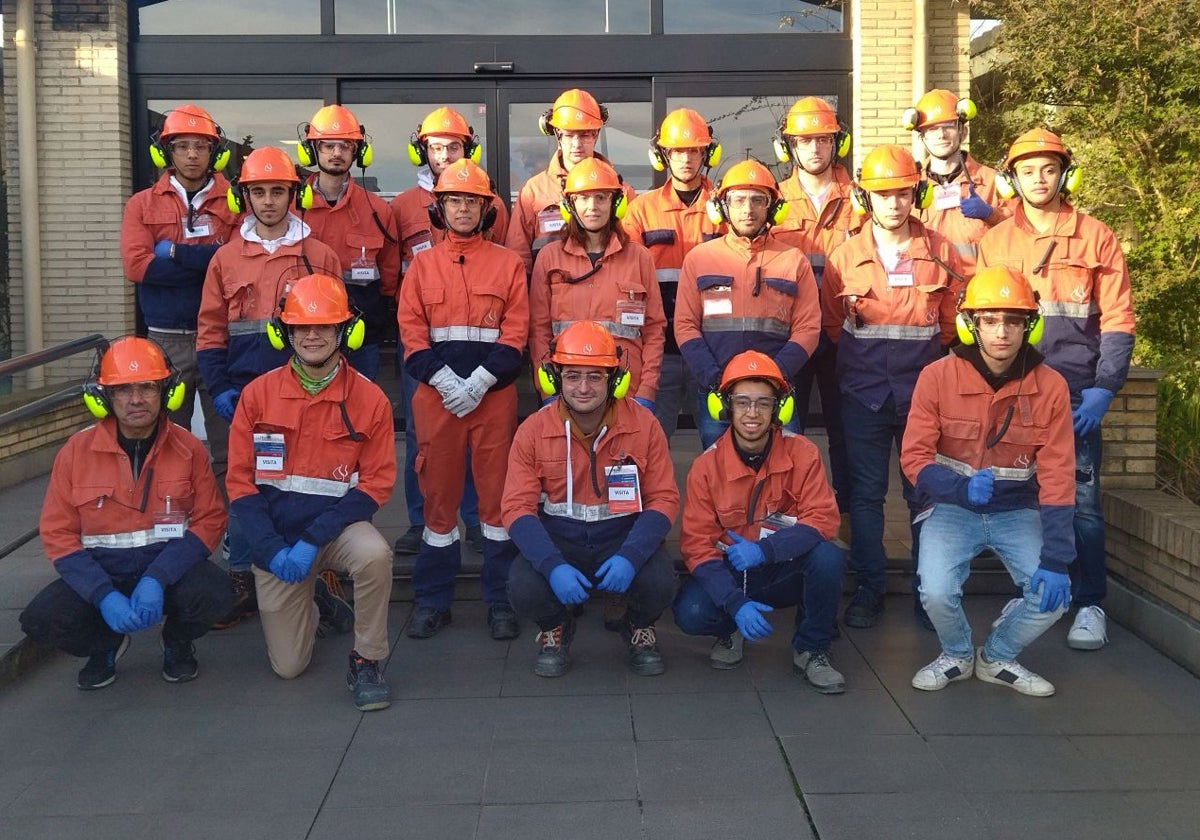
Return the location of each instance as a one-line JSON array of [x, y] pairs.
[[95, 395]]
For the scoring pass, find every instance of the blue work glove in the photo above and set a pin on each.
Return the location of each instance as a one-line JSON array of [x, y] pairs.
[[162, 248], [979, 487], [147, 601], [751, 621], [642, 401], [1091, 411], [282, 568], [744, 554], [301, 556], [615, 574], [118, 614], [1055, 586], [974, 207], [569, 584], [225, 403]]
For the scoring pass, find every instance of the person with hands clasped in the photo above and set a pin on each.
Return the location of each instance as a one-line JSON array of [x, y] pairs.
[[989, 447], [761, 498], [464, 316], [1076, 264], [594, 518], [594, 272], [311, 459], [131, 515]]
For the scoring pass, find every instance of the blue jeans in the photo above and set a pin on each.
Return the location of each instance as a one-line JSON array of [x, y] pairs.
[[952, 537], [711, 429], [870, 436], [468, 508], [1089, 584], [813, 580]]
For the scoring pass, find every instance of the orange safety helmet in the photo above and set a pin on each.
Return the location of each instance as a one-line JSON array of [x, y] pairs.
[[590, 175], [189, 119], [317, 300], [126, 361], [443, 122], [888, 168], [574, 110], [589, 344], [1037, 141], [333, 122], [748, 174], [752, 364], [998, 287], [810, 116], [268, 164], [938, 106], [684, 128], [464, 176]]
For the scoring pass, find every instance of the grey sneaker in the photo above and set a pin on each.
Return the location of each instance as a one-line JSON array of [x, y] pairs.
[[814, 666], [1012, 674], [367, 683], [1089, 631], [942, 671], [101, 668], [726, 652]]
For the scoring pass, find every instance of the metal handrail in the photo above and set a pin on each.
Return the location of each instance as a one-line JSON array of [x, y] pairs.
[[51, 401]]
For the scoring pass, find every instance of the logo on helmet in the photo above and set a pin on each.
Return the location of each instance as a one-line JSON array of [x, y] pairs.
[[133, 365], [335, 125], [268, 167], [462, 174], [752, 366], [191, 122], [587, 348], [312, 306], [1004, 291]]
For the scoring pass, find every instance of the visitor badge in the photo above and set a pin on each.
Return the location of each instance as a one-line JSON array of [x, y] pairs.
[[363, 269], [949, 196], [624, 495], [718, 301], [775, 522], [549, 221], [902, 275], [630, 312], [201, 226], [169, 524], [268, 456], [418, 247]]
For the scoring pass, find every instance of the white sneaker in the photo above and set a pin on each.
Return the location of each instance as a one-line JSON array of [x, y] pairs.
[[1089, 631], [1009, 607], [942, 671], [1012, 674], [726, 653]]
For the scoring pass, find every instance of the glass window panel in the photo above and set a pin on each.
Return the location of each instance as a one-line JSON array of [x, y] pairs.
[[623, 140], [249, 123], [732, 16], [491, 17], [231, 17], [390, 127]]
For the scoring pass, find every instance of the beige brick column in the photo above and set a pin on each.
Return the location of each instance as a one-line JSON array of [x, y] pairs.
[[83, 155]]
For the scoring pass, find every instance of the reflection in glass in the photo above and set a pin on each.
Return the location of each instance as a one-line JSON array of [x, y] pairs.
[[231, 17], [733, 16], [624, 141], [744, 126], [490, 17], [390, 127], [248, 123]]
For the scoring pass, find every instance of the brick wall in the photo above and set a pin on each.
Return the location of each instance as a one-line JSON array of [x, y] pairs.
[[1129, 434], [49, 429], [84, 164]]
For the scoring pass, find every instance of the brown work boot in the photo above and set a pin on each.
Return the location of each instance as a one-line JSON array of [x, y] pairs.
[[246, 604]]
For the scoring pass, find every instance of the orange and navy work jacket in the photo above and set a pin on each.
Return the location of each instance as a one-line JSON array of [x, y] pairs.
[[620, 291], [556, 494], [463, 304], [243, 290], [168, 288], [361, 230], [888, 326], [736, 294], [339, 459], [98, 523], [964, 233], [817, 234], [669, 229], [959, 424], [411, 211], [536, 220], [1078, 269], [786, 506]]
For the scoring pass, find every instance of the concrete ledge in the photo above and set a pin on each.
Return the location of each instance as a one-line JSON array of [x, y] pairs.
[[1161, 626], [20, 658]]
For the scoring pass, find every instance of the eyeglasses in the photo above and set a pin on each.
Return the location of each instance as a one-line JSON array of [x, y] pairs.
[[761, 405], [820, 141], [458, 202], [454, 148], [578, 377], [585, 136], [336, 145], [993, 322], [757, 201], [186, 147], [145, 390]]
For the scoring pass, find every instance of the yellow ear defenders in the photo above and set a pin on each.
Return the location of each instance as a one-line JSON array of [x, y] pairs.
[[306, 150], [860, 199], [964, 325], [783, 150], [658, 156], [550, 383], [217, 161], [547, 127], [619, 208], [718, 407], [1007, 185], [350, 333], [718, 212], [95, 395], [236, 201], [417, 155]]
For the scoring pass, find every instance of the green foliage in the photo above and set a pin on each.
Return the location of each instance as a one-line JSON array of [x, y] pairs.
[[1121, 83]]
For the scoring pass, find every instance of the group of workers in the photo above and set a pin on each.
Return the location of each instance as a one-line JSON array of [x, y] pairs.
[[972, 319]]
